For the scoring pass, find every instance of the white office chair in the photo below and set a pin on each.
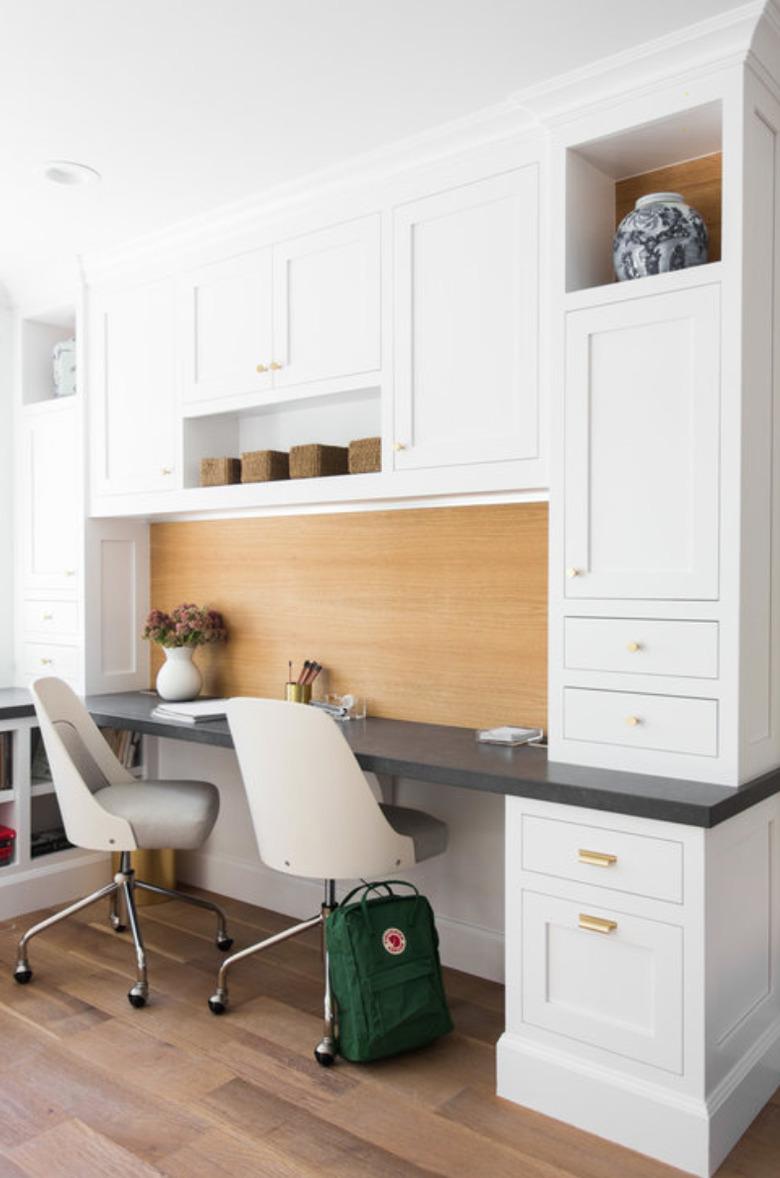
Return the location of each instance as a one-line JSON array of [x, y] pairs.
[[104, 808], [315, 816]]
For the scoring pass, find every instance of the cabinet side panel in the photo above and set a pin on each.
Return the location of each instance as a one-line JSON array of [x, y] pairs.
[[760, 600]]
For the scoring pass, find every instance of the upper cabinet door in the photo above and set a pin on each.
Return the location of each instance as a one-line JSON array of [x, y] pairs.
[[466, 324], [50, 461], [642, 416], [226, 328], [133, 390], [326, 304]]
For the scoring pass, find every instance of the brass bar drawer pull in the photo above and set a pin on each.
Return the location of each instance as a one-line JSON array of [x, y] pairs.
[[596, 924], [596, 858]]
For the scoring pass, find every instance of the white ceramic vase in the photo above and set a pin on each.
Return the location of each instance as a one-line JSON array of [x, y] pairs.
[[178, 678]]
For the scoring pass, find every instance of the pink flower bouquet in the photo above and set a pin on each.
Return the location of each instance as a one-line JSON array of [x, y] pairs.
[[186, 625]]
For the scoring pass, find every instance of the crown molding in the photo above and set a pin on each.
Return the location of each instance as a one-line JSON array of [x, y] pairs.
[[710, 44], [690, 52], [493, 124]]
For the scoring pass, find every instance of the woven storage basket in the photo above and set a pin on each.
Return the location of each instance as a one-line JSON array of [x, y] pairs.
[[216, 472], [315, 461], [263, 466], [365, 455]]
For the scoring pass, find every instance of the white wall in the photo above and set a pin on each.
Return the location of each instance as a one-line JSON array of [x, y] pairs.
[[465, 886], [6, 504]]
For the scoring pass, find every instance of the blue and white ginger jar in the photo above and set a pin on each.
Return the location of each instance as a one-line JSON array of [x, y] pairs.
[[660, 233]]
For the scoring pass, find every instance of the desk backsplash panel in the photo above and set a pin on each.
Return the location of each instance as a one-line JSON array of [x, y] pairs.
[[435, 615]]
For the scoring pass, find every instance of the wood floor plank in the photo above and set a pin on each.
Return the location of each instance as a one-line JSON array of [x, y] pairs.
[[312, 1139], [91, 1086], [74, 1148]]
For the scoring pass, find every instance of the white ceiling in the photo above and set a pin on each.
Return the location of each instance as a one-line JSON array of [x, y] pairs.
[[183, 105]]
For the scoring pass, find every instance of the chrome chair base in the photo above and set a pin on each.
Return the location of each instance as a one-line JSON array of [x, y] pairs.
[[325, 1052], [123, 884]]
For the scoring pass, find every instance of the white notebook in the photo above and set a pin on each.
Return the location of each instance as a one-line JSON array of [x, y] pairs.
[[196, 712]]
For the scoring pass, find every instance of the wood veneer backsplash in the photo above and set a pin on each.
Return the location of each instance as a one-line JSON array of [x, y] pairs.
[[437, 615]]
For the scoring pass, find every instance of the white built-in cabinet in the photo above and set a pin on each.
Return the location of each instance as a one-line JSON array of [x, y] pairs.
[[295, 313], [133, 389], [50, 494], [466, 301], [226, 327], [642, 409]]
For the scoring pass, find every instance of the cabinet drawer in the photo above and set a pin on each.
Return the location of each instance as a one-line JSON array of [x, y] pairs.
[[642, 646], [619, 990], [41, 658], [675, 724], [604, 858], [60, 618]]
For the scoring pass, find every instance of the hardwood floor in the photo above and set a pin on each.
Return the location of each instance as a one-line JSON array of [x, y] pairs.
[[89, 1086]]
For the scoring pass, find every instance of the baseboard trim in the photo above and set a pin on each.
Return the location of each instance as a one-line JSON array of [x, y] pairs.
[[53, 884], [668, 1126], [684, 1131], [468, 947]]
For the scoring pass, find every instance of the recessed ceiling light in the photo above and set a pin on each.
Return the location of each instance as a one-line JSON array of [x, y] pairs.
[[70, 173]]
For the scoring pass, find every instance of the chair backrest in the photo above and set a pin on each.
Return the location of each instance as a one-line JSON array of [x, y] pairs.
[[313, 811], [81, 765]]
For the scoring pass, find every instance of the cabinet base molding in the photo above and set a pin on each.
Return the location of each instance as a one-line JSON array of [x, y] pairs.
[[52, 885], [675, 1128]]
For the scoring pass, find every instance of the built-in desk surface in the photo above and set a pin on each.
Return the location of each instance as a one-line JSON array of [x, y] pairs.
[[451, 756]]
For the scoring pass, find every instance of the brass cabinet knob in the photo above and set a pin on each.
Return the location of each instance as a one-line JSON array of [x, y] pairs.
[[572, 572], [633, 647], [399, 446], [632, 721], [275, 366], [596, 858], [70, 572], [166, 470], [261, 368], [46, 662], [596, 924], [46, 617]]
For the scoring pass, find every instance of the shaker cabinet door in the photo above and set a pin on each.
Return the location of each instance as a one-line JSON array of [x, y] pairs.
[[225, 324], [466, 323], [642, 421], [326, 304], [51, 497], [133, 390]]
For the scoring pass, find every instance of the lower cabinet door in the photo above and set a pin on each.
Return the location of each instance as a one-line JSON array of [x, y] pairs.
[[604, 978]]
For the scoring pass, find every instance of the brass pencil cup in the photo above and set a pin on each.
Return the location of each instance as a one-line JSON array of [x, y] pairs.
[[297, 693]]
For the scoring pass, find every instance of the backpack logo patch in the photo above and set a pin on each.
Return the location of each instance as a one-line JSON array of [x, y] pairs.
[[394, 941]]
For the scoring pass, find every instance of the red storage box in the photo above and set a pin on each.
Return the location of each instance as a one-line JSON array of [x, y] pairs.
[[7, 840]]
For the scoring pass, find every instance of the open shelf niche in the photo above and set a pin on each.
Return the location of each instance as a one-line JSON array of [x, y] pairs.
[[604, 178], [332, 420], [38, 338]]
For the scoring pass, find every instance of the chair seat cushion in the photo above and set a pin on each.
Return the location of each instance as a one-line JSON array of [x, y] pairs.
[[178, 814], [428, 833]]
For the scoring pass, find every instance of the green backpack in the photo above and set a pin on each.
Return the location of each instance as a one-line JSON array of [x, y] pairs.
[[385, 973]]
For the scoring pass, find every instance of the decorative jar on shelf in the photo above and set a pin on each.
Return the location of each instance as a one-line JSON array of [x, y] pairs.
[[660, 233], [178, 678]]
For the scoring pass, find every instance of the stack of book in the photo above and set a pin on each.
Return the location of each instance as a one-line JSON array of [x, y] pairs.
[[125, 745], [200, 711]]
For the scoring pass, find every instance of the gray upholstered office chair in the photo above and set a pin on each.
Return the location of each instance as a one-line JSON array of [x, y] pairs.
[[104, 808], [315, 816]]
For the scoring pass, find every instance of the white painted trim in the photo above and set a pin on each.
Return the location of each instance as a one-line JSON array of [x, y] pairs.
[[471, 948], [44, 885], [646, 1117]]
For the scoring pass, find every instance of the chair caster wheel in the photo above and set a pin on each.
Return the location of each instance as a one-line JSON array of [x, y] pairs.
[[136, 998], [216, 1005], [325, 1052], [224, 943], [22, 974], [119, 928]]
